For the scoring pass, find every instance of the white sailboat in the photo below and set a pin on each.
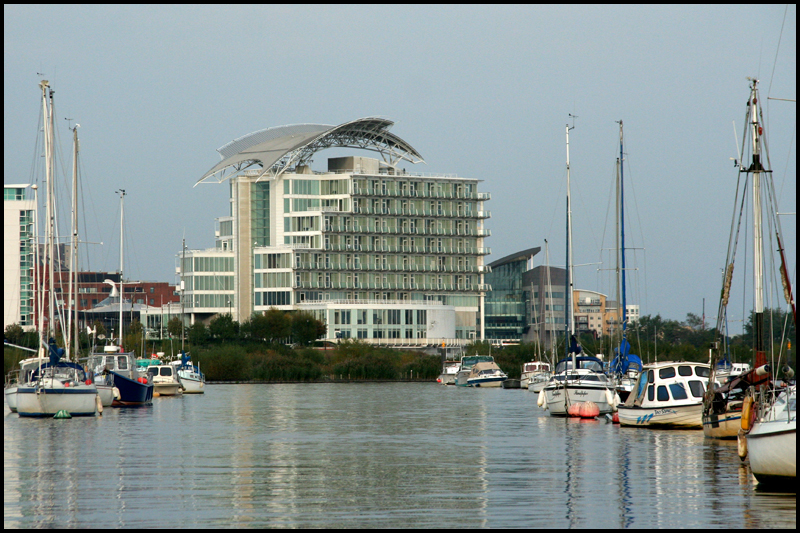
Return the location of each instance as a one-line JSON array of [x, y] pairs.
[[577, 378], [57, 384]]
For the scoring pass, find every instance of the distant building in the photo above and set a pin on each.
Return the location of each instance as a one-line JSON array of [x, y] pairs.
[[508, 305], [19, 247], [376, 252]]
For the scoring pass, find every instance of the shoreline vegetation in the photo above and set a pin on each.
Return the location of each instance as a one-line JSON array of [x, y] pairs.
[[282, 347]]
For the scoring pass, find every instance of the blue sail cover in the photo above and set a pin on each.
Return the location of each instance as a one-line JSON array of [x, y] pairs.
[[624, 360], [574, 347]]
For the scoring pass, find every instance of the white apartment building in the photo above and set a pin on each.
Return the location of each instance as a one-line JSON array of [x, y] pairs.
[[375, 251], [19, 242]]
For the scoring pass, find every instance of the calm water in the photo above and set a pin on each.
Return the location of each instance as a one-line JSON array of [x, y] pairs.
[[370, 455]]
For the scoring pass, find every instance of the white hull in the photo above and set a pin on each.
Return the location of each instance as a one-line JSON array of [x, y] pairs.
[[11, 398], [77, 401], [772, 448], [536, 383], [192, 386], [106, 394], [559, 399], [167, 389], [486, 383], [678, 416]]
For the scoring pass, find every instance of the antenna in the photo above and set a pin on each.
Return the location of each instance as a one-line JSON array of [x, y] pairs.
[[573, 120]]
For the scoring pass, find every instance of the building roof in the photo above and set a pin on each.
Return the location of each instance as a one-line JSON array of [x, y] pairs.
[[524, 255], [277, 149]]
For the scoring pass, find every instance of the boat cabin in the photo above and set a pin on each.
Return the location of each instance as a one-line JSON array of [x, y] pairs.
[[669, 383], [535, 367], [584, 362]]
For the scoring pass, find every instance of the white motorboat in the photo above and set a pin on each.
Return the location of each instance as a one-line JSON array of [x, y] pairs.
[[668, 394], [577, 379], [467, 362], [535, 375], [448, 375], [165, 380], [486, 375], [772, 442]]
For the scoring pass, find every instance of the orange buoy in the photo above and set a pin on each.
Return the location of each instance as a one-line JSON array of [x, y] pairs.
[[574, 409], [588, 410], [615, 418]]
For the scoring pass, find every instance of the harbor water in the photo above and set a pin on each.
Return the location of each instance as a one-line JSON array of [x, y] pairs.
[[370, 455]]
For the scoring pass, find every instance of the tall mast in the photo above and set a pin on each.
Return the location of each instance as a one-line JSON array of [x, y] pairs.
[[623, 303], [758, 239], [570, 323], [183, 266], [72, 336], [121, 256], [43, 330]]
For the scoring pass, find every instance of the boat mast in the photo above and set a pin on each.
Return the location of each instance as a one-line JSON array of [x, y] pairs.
[[42, 287], [621, 235], [570, 324], [758, 239], [121, 193], [183, 266], [72, 336]]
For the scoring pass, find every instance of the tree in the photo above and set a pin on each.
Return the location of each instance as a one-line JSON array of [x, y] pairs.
[[175, 327], [306, 328], [223, 328], [14, 333], [198, 334]]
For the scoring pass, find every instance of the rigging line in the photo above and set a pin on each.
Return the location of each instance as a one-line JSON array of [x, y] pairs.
[[556, 205], [777, 49], [789, 157]]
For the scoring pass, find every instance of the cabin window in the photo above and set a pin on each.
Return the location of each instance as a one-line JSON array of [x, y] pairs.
[[702, 372], [666, 373], [166, 371], [651, 393], [684, 370], [662, 394], [122, 362], [677, 391], [696, 386], [651, 377]]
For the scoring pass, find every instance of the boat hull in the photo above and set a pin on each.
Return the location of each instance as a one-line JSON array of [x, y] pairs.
[[772, 448], [42, 402], [167, 389], [677, 416], [192, 386], [11, 398], [722, 426], [486, 382], [559, 398], [132, 392]]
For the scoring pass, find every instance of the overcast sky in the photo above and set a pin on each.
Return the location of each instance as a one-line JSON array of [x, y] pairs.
[[480, 91]]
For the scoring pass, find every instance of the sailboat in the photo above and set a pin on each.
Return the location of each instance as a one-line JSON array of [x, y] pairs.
[[625, 367], [577, 378], [723, 405], [132, 389], [56, 384]]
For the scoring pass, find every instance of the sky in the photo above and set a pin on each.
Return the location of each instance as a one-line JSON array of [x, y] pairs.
[[480, 91]]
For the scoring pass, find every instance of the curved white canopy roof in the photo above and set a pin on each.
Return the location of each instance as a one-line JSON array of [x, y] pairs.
[[277, 149]]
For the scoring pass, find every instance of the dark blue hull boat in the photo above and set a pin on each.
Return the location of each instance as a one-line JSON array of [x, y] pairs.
[[132, 392]]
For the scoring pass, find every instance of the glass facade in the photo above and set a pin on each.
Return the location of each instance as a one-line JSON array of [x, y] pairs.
[[507, 304]]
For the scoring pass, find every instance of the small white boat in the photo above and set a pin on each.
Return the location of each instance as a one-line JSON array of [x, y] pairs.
[[584, 383], [486, 375], [165, 380], [667, 394], [57, 386], [448, 375], [467, 362], [772, 443], [535, 376], [191, 379]]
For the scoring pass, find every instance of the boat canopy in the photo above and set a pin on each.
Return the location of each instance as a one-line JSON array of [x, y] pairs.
[[585, 362]]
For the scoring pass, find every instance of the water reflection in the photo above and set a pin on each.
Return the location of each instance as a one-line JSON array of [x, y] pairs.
[[370, 455]]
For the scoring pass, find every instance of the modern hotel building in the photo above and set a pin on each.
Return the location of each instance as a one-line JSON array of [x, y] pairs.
[[378, 253]]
